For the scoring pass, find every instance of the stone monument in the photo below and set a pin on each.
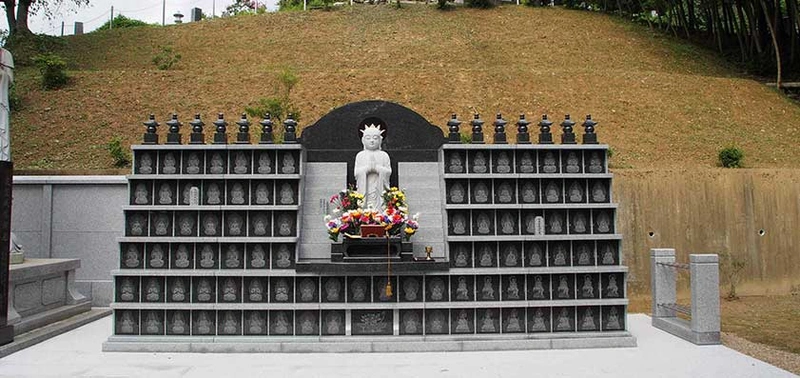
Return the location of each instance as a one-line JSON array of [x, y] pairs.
[[522, 240], [372, 168]]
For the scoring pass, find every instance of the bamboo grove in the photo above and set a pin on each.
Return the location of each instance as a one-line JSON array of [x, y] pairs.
[[761, 34]]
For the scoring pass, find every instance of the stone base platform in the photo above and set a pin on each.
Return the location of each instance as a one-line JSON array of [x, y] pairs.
[[683, 329], [42, 291], [243, 344]]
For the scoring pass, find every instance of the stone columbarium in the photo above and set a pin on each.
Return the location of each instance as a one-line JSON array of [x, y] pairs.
[[313, 244]]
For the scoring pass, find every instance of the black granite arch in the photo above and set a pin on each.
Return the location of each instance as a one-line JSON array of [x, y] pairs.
[[336, 137]]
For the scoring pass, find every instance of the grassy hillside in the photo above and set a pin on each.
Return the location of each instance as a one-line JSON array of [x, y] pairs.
[[660, 103]]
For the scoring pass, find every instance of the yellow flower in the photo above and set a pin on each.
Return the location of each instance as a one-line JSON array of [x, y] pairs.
[[335, 230], [409, 231]]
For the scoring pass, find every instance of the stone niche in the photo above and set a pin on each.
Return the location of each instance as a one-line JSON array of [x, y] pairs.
[[226, 244]]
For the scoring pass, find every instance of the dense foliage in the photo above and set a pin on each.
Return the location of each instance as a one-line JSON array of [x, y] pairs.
[[764, 35], [731, 157], [122, 22], [53, 69]]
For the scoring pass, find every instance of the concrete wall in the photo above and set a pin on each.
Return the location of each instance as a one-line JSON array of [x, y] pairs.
[[705, 211], [73, 217], [714, 211]]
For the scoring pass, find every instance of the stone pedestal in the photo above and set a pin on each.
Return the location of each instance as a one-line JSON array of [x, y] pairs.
[[42, 291]]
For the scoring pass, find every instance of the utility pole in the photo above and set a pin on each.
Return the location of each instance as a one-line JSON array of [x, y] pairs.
[[214, 8], [62, 28], [163, 12], [111, 23]]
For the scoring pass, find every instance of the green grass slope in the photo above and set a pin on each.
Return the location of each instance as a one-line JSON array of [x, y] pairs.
[[660, 103]]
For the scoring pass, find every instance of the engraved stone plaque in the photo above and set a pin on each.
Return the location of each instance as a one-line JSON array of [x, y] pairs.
[[538, 319], [281, 322], [265, 162], [230, 323], [461, 255], [240, 161], [282, 256], [513, 288], [255, 323], [307, 323], [411, 289], [333, 322], [333, 289], [307, 290], [488, 320], [589, 318], [256, 289], [437, 322], [513, 320], [488, 288], [132, 256], [539, 287], [204, 290], [372, 322], [463, 320], [178, 322], [127, 289], [203, 322], [502, 162], [127, 322], [206, 256], [410, 322], [462, 288], [258, 256], [281, 289], [153, 322], [437, 288]]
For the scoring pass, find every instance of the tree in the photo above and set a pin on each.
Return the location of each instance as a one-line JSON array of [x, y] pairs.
[[17, 12]]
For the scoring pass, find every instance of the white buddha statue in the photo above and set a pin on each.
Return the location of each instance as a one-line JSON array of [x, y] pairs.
[[373, 167]]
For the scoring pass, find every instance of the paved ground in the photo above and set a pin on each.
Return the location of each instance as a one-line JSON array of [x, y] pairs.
[[78, 354]]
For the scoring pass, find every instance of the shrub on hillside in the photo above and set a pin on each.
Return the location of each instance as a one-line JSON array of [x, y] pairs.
[[118, 154], [122, 22], [483, 4], [14, 99], [166, 58], [731, 157], [443, 4], [53, 69]]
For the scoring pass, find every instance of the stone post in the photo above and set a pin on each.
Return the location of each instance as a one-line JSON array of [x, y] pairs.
[[197, 136], [453, 126], [266, 129], [290, 129], [500, 130], [243, 137], [704, 272], [523, 137], [151, 135], [662, 281], [221, 136], [174, 135], [477, 129], [6, 174]]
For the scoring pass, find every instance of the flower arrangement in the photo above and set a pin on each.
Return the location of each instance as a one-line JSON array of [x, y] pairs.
[[349, 215]]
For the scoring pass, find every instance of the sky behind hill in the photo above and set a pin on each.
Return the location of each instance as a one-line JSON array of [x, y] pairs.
[[99, 11]]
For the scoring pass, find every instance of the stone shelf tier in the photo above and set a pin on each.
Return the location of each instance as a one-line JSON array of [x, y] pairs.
[[530, 206], [242, 176], [367, 306], [205, 239], [486, 238], [211, 207]]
